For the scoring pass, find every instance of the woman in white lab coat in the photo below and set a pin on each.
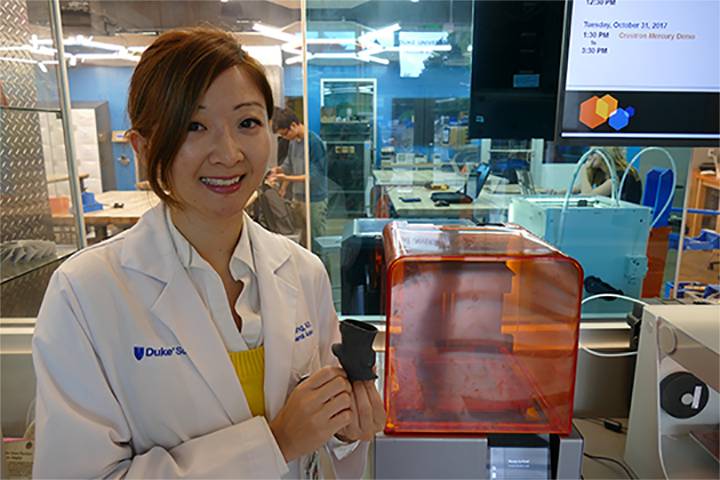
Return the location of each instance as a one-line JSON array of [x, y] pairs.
[[196, 344]]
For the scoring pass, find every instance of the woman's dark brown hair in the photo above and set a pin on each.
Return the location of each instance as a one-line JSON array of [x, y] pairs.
[[165, 90]]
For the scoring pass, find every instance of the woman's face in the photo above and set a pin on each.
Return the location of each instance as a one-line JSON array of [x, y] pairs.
[[225, 154], [597, 162]]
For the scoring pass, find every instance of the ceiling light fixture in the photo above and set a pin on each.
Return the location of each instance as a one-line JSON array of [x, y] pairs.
[[273, 32], [288, 48], [370, 37], [50, 52], [17, 60], [370, 58], [344, 56], [298, 59], [420, 48], [108, 56], [372, 50], [331, 41]]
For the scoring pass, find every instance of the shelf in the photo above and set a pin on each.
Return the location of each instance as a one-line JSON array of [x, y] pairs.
[[31, 110], [63, 178], [10, 271]]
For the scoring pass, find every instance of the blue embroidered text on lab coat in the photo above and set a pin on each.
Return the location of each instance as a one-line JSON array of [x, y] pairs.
[[146, 352], [303, 331]]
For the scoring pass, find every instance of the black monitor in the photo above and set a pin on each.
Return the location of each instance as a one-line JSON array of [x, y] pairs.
[[515, 68], [640, 73]]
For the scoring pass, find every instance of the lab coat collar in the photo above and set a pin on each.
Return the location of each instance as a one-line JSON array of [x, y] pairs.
[[148, 249], [190, 258]]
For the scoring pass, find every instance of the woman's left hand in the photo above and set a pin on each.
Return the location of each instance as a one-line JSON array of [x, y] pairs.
[[368, 413]]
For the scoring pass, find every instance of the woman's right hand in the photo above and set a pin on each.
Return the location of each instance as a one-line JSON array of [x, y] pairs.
[[317, 409]]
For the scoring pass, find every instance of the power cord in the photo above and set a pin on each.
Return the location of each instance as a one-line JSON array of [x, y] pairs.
[[608, 423], [616, 427], [621, 297], [599, 458]]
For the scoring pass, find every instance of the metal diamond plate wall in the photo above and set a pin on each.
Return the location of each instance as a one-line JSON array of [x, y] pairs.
[[18, 79], [24, 205]]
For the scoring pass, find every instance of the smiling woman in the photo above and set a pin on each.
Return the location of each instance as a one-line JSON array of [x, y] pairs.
[[163, 109], [168, 351]]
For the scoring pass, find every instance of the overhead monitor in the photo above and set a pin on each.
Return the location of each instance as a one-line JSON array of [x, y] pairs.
[[640, 72], [515, 68]]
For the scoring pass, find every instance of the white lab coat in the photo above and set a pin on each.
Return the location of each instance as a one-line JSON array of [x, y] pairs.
[[181, 411]]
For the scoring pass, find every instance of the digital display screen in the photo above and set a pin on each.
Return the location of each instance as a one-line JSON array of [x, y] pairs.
[[515, 68], [641, 72], [519, 463]]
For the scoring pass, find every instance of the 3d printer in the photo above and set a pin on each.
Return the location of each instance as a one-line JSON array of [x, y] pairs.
[[482, 330]]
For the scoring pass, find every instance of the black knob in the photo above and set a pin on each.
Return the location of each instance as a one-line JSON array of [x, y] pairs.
[[683, 395]]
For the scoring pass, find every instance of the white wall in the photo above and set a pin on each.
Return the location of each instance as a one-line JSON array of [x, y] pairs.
[[86, 150]]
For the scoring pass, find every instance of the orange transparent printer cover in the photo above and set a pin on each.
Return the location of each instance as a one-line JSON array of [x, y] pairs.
[[482, 331]]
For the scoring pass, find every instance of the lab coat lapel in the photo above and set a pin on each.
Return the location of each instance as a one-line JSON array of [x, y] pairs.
[[148, 249], [180, 308], [278, 300]]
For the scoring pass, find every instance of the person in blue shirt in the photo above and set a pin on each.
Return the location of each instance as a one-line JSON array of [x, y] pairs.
[[287, 125]]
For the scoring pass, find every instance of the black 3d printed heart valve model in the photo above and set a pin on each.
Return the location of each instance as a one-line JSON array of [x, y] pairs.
[[355, 353]]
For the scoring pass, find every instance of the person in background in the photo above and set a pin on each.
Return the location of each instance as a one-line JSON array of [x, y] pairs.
[[595, 177], [287, 125], [196, 344]]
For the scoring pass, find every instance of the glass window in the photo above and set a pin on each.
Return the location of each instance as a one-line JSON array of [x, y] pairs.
[[414, 62]]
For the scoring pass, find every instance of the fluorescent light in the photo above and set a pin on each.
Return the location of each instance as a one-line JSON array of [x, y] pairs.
[[274, 32], [22, 48], [50, 52], [370, 58], [369, 37], [17, 60], [42, 67], [331, 41], [265, 54], [288, 48], [372, 50], [128, 57], [34, 41], [294, 60], [350, 56], [297, 42], [80, 40], [421, 48], [108, 56], [347, 56]]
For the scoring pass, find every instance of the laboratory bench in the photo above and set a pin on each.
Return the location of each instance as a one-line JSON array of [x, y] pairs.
[[486, 207]]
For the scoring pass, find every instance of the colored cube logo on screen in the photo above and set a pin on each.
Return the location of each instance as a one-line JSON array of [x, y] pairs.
[[595, 111]]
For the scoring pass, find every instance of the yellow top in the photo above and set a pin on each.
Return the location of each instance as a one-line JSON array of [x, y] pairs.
[[250, 368]]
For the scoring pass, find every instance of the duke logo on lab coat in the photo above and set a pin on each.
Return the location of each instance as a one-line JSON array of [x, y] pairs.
[[134, 379]]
